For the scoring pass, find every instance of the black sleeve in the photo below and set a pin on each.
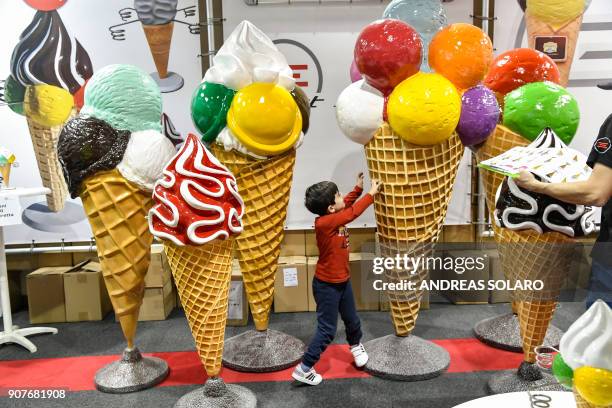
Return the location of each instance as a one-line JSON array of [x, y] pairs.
[[602, 148]]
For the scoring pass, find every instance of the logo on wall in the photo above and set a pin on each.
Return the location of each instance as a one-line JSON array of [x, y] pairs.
[[306, 67], [158, 26]]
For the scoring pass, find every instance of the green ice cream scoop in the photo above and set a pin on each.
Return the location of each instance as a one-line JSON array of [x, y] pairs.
[[533, 107], [14, 94], [209, 106], [125, 97]]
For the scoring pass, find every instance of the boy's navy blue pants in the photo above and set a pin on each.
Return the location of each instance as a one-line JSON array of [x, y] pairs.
[[331, 299]]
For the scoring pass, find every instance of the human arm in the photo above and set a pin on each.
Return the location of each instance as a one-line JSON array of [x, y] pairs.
[[596, 191], [351, 213], [356, 193]]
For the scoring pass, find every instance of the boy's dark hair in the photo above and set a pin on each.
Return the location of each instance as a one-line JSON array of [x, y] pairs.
[[320, 196]]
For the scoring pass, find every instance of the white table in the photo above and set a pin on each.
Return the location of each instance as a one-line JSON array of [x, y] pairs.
[[13, 334], [535, 399]]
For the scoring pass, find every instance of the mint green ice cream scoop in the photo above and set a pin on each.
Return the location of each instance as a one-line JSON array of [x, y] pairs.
[[125, 97]]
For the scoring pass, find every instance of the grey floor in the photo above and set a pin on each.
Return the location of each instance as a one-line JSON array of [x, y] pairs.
[[441, 321]]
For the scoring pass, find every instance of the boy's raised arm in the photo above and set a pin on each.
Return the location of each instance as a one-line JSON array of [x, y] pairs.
[[349, 213]]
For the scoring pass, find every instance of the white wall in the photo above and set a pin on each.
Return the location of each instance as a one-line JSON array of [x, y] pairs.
[[330, 31]]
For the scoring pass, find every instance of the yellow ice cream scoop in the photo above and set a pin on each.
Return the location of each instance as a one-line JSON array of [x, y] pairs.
[[556, 13], [48, 105], [424, 109], [265, 119], [594, 385]]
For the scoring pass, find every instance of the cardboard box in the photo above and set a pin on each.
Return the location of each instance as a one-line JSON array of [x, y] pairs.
[[85, 294], [471, 273], [362, 280], [157, 303], [159, 272], [312, 267], [457, 233], [46, 300], [294, 244], [78, 257], [21, 262], [290, 285], [361, 240], [238, 307], [55, 258], [14, 286]]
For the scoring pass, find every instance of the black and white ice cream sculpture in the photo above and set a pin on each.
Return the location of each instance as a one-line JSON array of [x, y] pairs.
[[551, 161]]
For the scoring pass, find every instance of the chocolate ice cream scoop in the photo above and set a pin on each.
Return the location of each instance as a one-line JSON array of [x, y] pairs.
[[87, 146]]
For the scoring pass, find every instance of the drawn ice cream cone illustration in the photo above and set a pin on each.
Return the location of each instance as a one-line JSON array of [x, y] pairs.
[[553, 26], [157, 20], [48, 68]]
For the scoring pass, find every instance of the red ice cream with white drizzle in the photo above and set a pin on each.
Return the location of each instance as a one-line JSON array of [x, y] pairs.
[[197, 199]]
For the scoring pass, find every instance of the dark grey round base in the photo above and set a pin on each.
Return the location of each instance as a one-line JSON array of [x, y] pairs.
[[39, 217], [503, 332], [132, 373], [220, 396], [405, 358], [262, 351], [172, 83], [509, 381]]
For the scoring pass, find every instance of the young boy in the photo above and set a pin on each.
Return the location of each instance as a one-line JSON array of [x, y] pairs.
[[331, 285]]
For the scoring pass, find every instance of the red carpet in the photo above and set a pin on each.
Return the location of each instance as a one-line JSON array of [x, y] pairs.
[[77, 373]]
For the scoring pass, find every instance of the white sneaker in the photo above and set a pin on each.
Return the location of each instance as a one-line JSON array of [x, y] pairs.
[[311, 377], [360, 355]]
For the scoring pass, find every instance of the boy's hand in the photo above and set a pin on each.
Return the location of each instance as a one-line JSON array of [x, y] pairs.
[[360, 180], [376, 184]]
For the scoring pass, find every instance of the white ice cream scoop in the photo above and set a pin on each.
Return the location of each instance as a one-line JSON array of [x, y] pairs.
[[146, 155]]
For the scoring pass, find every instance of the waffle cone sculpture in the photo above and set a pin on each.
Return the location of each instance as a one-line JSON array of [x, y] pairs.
[[159, 38], [502, 140], [582, 403], [44, 141], [117, 211], [202, 275], [529, 255], [411, 207], [264, 186], [571, 30], [198, 211]]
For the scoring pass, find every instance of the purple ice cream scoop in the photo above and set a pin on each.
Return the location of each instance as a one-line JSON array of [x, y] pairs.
[[479, 115]]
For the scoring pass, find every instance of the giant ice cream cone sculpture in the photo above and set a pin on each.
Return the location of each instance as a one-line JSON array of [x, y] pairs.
[[406, 121], [510, 71], [411, 175], [156, 17], [584, 363], [48, 68], [532, 246], [414, 151], [111, 155], [197, 214], [547, 19], [253, 115], [257, 142]]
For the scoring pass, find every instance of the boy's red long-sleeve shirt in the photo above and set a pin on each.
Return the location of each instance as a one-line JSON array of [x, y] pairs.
[[332, 238]]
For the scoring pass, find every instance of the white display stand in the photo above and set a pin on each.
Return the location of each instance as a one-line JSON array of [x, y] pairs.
[[552, 399], [13, 334]]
